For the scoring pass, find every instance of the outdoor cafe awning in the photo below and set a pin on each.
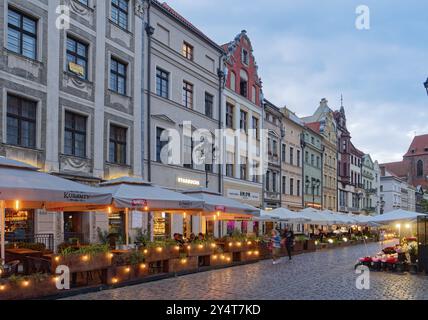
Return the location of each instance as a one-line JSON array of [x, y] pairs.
[[216, 203], [23, 186], [33, 189], [317, 217], [134, 193]]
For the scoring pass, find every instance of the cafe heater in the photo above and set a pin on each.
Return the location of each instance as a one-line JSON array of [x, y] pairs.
[[423, 243]]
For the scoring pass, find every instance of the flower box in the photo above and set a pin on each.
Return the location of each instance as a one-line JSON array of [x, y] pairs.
[[27, 289], [183, 264], [83, 262], [161, 254]]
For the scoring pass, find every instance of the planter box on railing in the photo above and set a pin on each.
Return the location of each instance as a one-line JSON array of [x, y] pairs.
[[118, 274], [27, 289], [83, 262], [298, 247], [221, 259], [195, 250], [239, 246], [250, 255], [161, 254], [309, 245], [183, 264]]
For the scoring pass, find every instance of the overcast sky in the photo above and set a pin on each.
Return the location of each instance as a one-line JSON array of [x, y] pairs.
[[310, 49]]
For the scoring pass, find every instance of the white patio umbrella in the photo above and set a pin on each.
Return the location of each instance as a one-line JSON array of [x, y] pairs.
[[341, 219], [399, 215], [23, 186], [317, 217], [287, 215]]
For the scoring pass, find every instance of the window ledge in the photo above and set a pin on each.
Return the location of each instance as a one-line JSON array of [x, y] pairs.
[[119, 27], [75, 76], [22, 57], [125, 96]]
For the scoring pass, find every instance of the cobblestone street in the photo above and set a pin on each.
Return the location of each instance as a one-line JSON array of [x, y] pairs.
[[327, 274]]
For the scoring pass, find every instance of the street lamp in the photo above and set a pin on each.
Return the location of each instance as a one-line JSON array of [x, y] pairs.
[[426, 85]]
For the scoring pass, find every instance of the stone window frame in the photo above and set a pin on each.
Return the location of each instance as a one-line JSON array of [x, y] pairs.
[[91, 52], [38, 102], [40, 22], [89, 117]]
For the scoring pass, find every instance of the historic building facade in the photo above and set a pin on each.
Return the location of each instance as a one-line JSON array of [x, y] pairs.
[[313, 151], [242, 116], [275, 183], [71, 98], [322, 122], [370, 185], [396, 193], [183, 107]]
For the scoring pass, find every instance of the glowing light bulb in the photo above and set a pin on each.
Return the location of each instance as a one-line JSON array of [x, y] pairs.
[[25, 283], [109, 210], [177, 248], [249, 243], [159, 249], [2, 287], [143, 266], [249, 253], [215, 257], [398, 226], [17, 205], [238, 244], [201, 246], [256, 253], [407, 226], [115, 280], [213, 245], [183, 261], [85, 258], [345, 239], [146, 251], [230, 244], [189, 247]]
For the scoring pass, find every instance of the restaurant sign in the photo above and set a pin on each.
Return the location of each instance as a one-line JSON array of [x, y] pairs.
[[187, 181], [138, 203], [76, 196], [243, 195]]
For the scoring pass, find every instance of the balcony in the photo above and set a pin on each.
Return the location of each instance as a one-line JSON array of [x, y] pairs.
[[369, 209], [371, 191]]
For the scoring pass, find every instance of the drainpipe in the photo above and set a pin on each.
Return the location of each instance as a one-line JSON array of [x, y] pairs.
[[221, 79], [149, 31], [302, 144], [322, 177]]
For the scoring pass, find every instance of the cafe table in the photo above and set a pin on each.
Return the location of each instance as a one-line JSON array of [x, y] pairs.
[[21, 254]]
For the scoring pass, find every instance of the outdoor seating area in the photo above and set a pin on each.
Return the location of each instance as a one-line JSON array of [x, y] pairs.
[[33, 269]]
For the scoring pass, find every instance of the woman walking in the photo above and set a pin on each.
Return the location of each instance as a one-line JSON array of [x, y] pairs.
[[289, 241], [276, 246]]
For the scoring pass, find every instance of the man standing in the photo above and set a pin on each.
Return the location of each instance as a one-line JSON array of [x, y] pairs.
[[289, 241]]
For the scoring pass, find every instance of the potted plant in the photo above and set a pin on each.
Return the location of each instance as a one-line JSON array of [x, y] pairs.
[[413, 252], [27, 287]]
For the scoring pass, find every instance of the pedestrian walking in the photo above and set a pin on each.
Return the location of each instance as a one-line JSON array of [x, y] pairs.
[[275, 246], [289, 241]]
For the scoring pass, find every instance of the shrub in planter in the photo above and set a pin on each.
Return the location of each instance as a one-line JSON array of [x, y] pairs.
[[221, 259], [27, 287], [200, 248], [88, 258]]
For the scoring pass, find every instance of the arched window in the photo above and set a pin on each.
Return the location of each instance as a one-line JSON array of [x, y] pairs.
[[420, 168]]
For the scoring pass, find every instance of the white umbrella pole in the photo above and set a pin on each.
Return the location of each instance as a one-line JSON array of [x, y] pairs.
[[2, 230]]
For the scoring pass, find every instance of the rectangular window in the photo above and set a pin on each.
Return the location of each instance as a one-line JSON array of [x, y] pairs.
[[312, 160], [75, 135], [162, 83], [256, 128], [229, 116], [84, 2], [245, 57], [291, 187], [283, 152], [275, 148], [209, 104], [243, 168], [284, 185], [243, 121], [243, 88], [77, 57], [117, 144], [274, 181], [22, 34], [267, 181], [187, 51], [21, 122], [292, 156], [118, 76], [229, 170], [187, 95], [318, 162], [298, 158], [188, 152], [298, 188], [160, 144], [119, 13]]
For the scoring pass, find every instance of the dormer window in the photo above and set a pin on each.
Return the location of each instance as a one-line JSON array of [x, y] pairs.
[[245, 57], [243, 84]]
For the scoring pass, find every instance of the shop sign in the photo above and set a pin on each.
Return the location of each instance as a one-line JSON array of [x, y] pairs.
[[139, 203], [77, 69], [76, 196], [243, 195], [188, 181]]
